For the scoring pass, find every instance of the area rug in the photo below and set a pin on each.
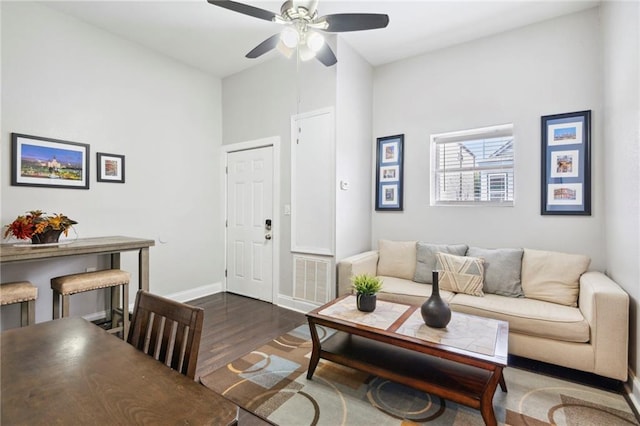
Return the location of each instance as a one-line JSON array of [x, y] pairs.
[[271, 382]]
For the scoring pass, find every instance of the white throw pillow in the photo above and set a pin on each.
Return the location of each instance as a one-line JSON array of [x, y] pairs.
[[553, 276], [397, 259]]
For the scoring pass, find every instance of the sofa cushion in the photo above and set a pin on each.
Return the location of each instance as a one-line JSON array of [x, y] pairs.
[[527, 316], [552, 276], [501, 270], [397, 258], [410, 292], [426, 258], [460, 274]]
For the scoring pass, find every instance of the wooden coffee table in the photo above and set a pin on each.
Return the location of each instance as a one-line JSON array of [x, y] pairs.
[[462, 363]]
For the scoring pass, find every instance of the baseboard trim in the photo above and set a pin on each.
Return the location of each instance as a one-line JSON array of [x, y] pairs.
[[96, 316], [632, 387], [181, 296], [196, 293], [295, 304]]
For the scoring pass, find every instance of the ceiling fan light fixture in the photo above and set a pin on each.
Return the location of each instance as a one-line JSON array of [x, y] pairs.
[[290, 37], [305, 53], [287, 52], [315, 41]]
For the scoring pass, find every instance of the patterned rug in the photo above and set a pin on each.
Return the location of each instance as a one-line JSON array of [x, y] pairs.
[[271, 382]]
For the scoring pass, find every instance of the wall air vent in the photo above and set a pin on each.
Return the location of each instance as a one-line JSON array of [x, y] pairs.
[[312, 279]]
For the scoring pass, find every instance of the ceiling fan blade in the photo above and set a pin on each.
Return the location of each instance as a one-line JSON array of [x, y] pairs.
[[326, 56], [245, 9], [264, 47], [343, 22]]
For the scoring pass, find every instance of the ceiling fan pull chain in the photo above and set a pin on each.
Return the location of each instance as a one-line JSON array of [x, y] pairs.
[[298, 85]]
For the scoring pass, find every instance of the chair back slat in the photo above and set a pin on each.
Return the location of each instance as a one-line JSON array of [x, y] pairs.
[[167, 330], [156, 343], [179, 338], [170, 331]]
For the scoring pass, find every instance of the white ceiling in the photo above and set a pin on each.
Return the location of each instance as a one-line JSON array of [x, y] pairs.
[[215, 39]]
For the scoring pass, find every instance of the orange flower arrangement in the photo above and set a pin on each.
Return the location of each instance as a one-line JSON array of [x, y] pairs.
[[36, 222]]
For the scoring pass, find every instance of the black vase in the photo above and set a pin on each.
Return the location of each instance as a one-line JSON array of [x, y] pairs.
[[366, 302], [48, 237], [435, 311]]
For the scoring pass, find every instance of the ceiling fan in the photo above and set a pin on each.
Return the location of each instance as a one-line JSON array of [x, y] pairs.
[[303, 27]]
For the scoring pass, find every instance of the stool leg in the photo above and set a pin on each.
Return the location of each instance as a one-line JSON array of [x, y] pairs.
[[65, 305], [125, 312], [56, 305], [115, 302], [27, 313]]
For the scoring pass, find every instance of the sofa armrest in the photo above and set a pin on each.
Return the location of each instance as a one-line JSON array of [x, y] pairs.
[[605, 306], [363, 263]]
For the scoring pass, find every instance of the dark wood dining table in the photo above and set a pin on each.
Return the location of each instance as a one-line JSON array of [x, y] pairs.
[[70, 372]]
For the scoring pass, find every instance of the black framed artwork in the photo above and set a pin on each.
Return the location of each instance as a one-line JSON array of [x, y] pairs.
[[566, 164], [389, 173], [46, 162], [110, 167]]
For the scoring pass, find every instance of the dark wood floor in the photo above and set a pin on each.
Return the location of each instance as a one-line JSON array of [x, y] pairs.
[[235, 325]]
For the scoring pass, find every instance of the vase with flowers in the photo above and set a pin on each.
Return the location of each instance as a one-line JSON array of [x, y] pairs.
[[39, 227]]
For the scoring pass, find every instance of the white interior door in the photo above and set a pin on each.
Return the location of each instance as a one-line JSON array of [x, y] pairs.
[[249, 222]]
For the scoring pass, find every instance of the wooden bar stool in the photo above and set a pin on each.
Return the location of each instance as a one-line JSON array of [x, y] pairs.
[[63, 287], [24, 293]]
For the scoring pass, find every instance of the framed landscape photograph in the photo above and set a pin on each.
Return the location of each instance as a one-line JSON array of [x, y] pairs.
[[389, 159], [566, 164], [110, 167], [38, 161]]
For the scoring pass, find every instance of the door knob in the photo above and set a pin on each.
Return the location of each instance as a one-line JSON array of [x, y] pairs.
[[267, 237]]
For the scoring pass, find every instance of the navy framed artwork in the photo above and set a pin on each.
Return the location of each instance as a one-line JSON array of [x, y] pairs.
[[389, 159], [566, 164]]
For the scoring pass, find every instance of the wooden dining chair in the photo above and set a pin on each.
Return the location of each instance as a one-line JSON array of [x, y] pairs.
[[167, 330]]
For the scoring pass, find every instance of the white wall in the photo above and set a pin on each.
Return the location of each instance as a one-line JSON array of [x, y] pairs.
[[621, 124], [354, 84], [67, 80], [514, 77], [259, 103]]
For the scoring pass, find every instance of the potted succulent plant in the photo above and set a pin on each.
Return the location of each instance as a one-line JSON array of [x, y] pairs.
[[366, 286]]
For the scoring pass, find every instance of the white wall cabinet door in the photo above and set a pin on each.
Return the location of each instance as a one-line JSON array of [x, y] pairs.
[[313, 182]]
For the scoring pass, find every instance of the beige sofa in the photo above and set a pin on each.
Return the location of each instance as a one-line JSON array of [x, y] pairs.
[[557, 311]]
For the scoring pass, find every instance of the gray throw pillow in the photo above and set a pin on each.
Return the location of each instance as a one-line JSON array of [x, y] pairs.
[[426, 258], [502, 268]]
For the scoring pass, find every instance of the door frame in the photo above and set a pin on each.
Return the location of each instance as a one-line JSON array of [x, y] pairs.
[[274, 142]]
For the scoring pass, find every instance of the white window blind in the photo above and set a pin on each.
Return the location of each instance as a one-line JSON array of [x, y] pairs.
[[473, 167]]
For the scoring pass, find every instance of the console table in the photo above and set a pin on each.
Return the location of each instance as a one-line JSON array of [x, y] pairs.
[[11, 253]]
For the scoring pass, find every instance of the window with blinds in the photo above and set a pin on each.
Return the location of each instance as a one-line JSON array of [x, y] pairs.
[[473, 167]]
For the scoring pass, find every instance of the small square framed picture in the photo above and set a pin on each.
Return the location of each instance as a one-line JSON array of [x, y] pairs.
[[110, 168]]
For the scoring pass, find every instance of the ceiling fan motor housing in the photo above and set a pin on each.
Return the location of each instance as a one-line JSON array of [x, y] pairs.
[[290, 11]]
